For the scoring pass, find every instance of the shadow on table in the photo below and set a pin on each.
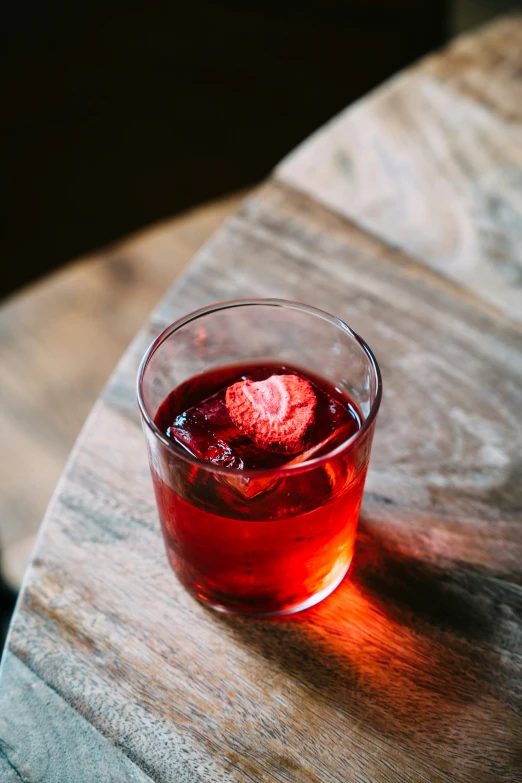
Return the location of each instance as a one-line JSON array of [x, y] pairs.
[[402, 644]]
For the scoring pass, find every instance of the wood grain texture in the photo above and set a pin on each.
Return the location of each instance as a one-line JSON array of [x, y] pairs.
[[432, 163], [44, 731], [411, 672], [60, 340], [485, 66]]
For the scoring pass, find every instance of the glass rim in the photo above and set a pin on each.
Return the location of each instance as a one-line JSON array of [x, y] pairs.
[[230, 304]]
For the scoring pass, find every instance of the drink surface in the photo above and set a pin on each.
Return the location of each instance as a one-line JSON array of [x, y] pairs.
[[195, 416], [268, 543]]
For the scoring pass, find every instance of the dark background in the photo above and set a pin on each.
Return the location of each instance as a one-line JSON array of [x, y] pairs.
[[117, 113]]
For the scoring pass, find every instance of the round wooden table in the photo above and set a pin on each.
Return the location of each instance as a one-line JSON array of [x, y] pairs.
[[404, 217]]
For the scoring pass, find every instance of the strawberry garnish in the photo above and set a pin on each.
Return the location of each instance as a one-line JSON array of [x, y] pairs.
[[276, 413]]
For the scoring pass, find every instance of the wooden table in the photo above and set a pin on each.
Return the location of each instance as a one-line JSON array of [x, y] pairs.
[[404, 217], [59, 340]]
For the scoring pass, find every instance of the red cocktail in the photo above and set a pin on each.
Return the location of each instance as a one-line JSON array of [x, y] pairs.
[[258, 467]]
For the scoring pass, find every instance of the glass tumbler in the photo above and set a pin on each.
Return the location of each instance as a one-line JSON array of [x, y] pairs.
[[272, 541]]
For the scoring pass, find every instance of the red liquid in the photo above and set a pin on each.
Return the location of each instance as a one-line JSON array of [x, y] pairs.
[[270, 541]]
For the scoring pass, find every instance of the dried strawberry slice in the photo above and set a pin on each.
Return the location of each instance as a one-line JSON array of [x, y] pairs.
[[276, 413]]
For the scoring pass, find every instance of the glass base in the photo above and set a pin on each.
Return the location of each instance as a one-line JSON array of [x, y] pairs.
[[336, 577]]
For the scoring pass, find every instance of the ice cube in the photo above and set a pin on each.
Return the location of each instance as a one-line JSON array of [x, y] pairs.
[[207, 432]]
